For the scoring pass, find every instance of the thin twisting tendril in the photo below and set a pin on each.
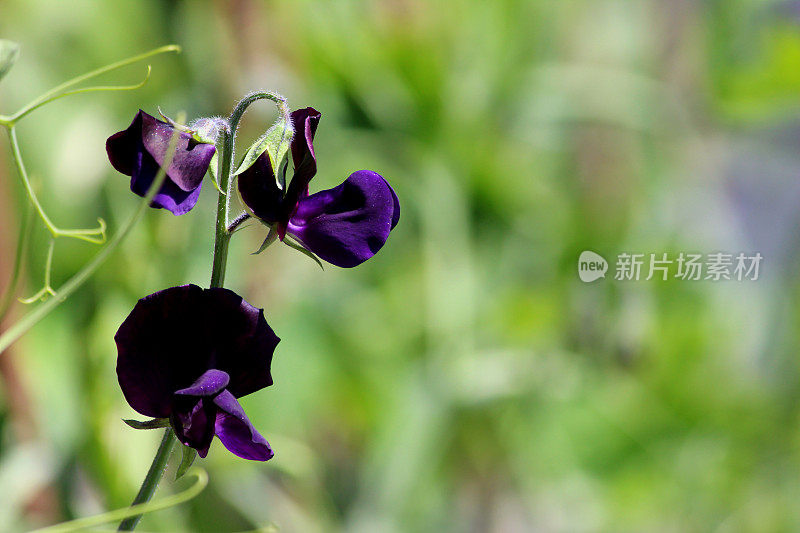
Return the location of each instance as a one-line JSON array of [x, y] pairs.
[[9, 121], [47, 290], [143, 508]]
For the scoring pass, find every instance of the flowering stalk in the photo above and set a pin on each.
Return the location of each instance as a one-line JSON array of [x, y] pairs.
[[222, 237]]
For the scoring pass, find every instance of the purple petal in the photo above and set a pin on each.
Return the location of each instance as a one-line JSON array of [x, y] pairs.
[[244, 342], [174, 336], [237, 433], [159, 350], [170, 196], [194, 422], [395, 205], [348, 224], [209, 384], [259, 191], [191, 159], [140, 150], [123, 147], [305, 123]]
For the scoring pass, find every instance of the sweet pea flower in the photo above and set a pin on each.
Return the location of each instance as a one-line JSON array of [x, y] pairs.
[[345, 225], [187, 354], [140, 151]]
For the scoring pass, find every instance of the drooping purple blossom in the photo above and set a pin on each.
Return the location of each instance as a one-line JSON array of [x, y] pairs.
[[345, 225], [187, 354], [140, 151]]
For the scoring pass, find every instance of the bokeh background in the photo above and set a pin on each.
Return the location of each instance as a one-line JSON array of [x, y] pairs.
[[464, 379]]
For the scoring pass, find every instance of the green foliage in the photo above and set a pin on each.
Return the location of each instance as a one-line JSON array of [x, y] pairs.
[[275, 142], [464, 379]]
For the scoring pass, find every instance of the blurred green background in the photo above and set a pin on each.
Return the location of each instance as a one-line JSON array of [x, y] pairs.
[[464, 379]]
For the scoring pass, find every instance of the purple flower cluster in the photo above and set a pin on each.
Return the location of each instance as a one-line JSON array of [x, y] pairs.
[[187, 354]]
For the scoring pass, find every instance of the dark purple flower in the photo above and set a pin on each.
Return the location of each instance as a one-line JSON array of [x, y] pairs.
[[187, 354], [139, 152], [345, 225]]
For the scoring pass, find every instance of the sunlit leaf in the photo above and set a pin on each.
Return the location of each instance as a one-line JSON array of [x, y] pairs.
[[275, 142], [189, 455]]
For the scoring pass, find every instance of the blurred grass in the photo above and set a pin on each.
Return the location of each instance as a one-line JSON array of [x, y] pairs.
[[463, 379]]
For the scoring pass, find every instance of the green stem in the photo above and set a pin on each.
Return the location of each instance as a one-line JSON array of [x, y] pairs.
[[222, 236], [47, 289], [152, 479], [100, 88]]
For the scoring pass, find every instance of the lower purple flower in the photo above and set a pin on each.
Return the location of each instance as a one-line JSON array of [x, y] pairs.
[[187, 354]]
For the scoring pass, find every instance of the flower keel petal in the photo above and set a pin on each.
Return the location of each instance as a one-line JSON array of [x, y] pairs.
[[193, 421], [237, 433]]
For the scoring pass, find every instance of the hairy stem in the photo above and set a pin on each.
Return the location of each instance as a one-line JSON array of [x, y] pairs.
[[223, 236]]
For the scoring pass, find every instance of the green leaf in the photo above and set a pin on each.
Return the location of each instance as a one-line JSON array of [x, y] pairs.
[[9, 52], [189, 455], [271, 237], [154, 423], [212, 169], [297, 245], [275, 142]]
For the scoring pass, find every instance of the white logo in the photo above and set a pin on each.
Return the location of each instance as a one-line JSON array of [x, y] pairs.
[[591, 266]]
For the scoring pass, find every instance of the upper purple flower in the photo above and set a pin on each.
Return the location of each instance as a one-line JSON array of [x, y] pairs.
[[187, 354], [345, 225], [139, 152]]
